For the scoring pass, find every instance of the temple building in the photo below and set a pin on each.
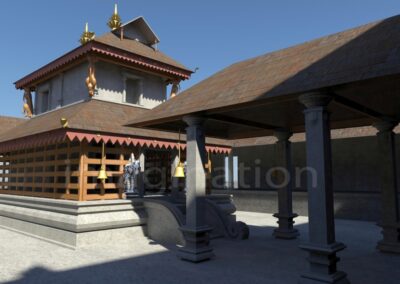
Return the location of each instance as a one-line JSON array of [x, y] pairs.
[[101, 121], [82, 100], [72, 172]]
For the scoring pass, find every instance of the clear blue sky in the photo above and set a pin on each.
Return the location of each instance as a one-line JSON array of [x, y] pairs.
[[205, 34]]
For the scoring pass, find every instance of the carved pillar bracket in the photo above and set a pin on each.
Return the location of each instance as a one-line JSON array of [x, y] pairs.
[[389, 187], [195, 231], [285, 215], [28, 105], [91, 81], [322, 246]]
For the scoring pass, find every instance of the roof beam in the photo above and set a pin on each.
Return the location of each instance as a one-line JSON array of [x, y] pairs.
[[360, 108], [239, 121]]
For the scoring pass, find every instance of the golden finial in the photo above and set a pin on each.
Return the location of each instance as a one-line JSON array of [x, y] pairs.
[[115, 20], [64, 122], [86, 35]]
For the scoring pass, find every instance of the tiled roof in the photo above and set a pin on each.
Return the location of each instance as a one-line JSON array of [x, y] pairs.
[[362, 53], [128, 51], [7, 123], [94, 116], [139, 48]]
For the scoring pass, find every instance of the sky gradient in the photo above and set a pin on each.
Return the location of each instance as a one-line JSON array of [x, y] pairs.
[[206, 34]]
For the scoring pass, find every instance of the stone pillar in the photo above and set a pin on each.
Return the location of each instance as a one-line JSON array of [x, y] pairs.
[[322, 246], [387, 166], [141, 177], [230, 171], [283, 160], [195, 231]]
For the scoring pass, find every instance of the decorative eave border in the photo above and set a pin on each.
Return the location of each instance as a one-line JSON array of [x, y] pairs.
[[105, 50], [62, 135]]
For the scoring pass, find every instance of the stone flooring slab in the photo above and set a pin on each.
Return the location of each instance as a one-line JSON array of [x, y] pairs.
[[261, 259]]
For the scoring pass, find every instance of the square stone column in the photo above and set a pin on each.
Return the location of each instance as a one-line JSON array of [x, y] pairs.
[[387, 167], [322, 246], [195, 231], [283, 163], [141, 178], [229, 181]]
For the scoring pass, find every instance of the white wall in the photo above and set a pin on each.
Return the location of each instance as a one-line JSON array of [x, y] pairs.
[[110, 85], [65, 88], [70, 87]]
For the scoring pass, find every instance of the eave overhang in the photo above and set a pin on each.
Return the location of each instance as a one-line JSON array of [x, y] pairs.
[[64, 135], [100, 49]]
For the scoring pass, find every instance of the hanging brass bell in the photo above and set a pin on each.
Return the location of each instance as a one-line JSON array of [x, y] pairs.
[[179, 171], [102, 173]]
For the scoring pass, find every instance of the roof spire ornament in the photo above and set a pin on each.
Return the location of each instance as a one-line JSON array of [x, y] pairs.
[[115, 20], [86, 35]]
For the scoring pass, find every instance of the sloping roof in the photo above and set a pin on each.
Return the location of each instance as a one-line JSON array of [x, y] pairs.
[[127, 50], [7, 123], [137, 47], [94, 116], [362, 53]]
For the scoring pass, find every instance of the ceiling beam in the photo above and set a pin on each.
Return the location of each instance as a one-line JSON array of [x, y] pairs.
[[239, 121], [360, 108]]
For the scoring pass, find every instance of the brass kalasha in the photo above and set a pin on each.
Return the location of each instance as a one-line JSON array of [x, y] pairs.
[[86, 35], [64, 122], [115, 20]]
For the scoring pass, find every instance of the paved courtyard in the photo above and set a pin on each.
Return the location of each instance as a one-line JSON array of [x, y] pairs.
[[261, 259]]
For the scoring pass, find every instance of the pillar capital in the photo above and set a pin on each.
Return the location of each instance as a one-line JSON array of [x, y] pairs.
[[315, 99], [193, 120], [385, 126], [283, 135]]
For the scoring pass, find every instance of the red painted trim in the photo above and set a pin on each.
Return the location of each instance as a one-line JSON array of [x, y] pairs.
[[107, 50], [61, 135]]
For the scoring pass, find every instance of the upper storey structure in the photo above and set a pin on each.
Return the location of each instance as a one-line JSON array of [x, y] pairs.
[[122, 66]]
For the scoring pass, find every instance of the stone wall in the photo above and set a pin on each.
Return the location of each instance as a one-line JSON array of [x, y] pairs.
[[354, 162], [355, 178]]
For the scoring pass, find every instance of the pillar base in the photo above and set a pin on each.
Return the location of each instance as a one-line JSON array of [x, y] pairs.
[[323, 261], [197, 248], [388, 247], [336, 278], [285, 230], [391, 238]]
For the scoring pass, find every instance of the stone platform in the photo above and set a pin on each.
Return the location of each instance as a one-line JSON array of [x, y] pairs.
[[71, 223]]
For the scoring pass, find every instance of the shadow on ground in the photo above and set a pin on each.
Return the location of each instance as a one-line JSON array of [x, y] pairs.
[[261, 259]]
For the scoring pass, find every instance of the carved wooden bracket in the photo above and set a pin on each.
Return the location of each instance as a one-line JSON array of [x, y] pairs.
[[28, 106], [91, 81]]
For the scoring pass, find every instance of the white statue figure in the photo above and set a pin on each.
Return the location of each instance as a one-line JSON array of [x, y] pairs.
[[131, 172]]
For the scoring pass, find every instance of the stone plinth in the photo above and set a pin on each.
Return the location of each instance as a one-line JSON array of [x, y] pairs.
[[71, 223]]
